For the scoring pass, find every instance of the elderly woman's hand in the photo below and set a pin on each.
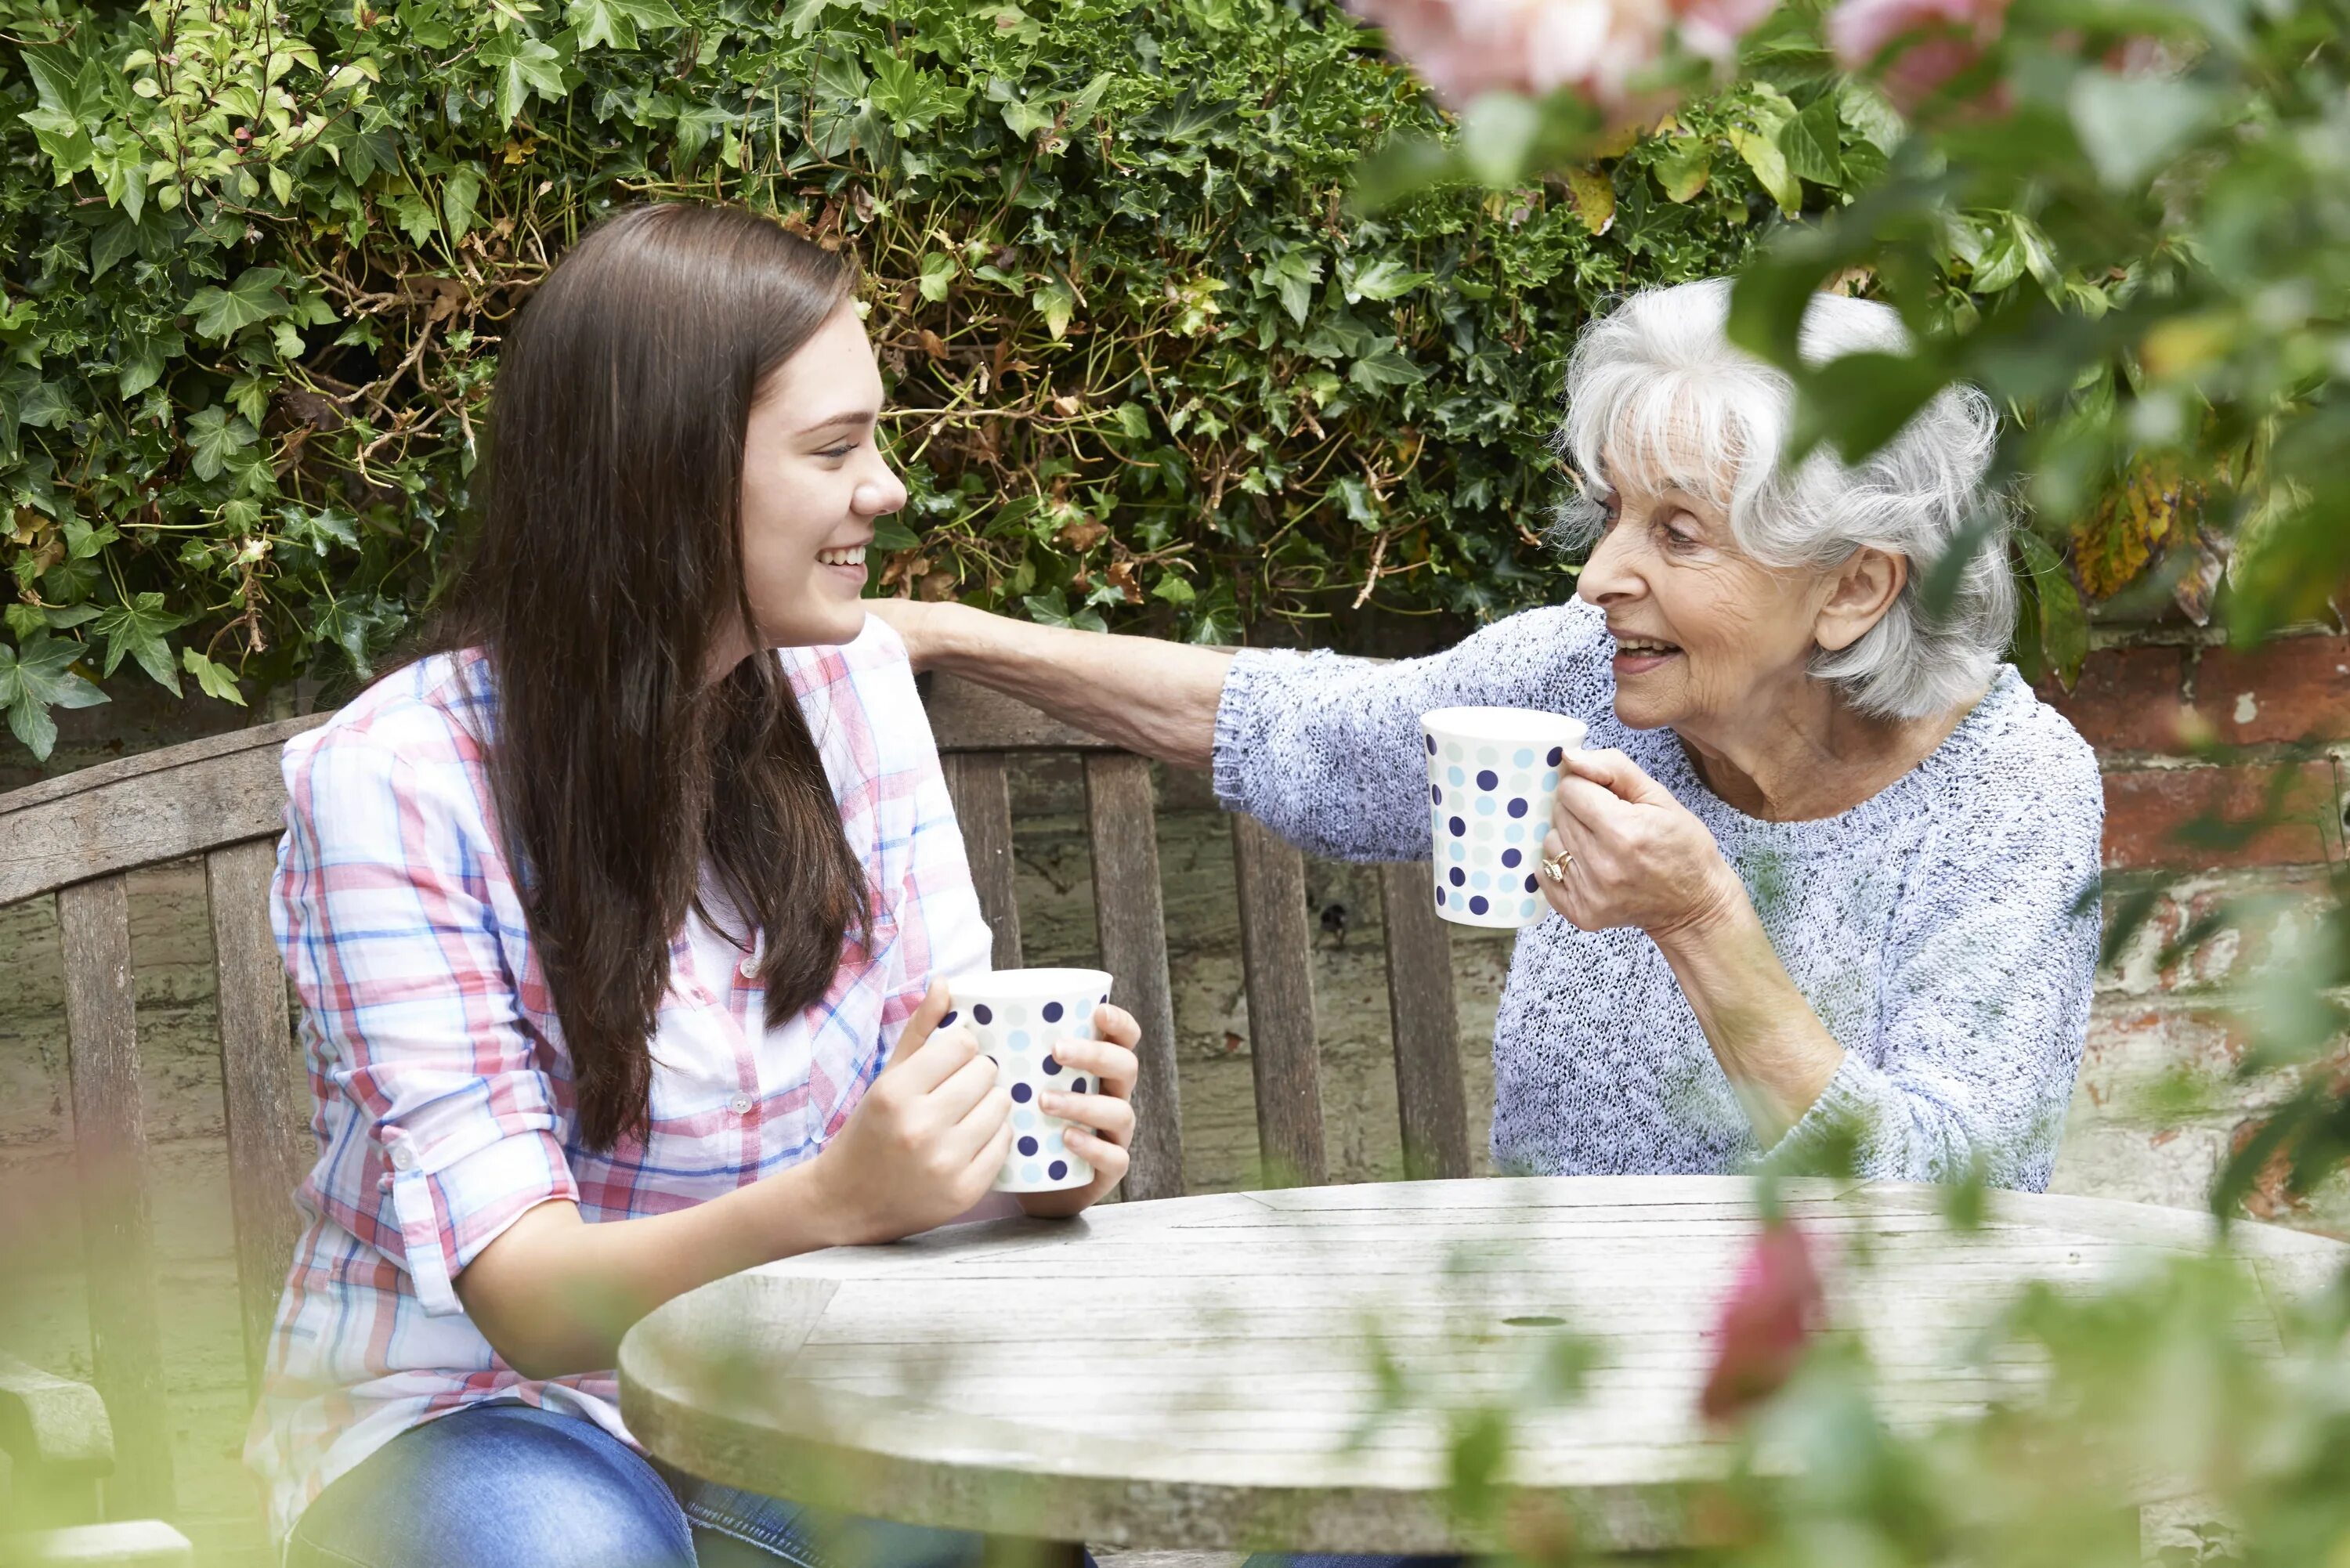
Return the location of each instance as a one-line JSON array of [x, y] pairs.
[[1630, 853]]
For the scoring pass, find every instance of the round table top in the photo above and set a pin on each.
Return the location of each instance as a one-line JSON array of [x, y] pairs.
[[1200, 1372]]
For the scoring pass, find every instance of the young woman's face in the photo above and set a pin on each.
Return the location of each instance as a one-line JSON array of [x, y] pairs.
[[813, 482]]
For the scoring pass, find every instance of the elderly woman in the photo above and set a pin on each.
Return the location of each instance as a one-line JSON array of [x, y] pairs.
[[1824, 880]]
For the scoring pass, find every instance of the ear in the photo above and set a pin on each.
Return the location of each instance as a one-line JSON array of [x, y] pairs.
[[1859, 593]]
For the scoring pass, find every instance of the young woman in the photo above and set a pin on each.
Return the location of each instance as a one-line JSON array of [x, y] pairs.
[[617, 933]]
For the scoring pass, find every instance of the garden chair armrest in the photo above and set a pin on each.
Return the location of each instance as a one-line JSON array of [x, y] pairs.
[[53, 1425]]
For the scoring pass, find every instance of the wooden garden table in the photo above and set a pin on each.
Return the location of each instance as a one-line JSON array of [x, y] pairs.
[[1190, 1372]]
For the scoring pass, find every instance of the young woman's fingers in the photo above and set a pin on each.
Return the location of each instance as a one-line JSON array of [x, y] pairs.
[[1117, 1025], [989, 1120], [1108, 1160], [938, 1058], [1115, 1066], [918, 1028], [963, 1088], [1099, 1113]]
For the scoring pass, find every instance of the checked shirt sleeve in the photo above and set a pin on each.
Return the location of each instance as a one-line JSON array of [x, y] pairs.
[[394, 908]]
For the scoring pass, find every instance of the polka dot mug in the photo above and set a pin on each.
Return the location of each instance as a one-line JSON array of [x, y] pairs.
[[1019, 1015], [1491, 775]]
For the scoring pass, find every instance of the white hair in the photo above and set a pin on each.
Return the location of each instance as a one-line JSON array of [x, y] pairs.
[[1655, 384]]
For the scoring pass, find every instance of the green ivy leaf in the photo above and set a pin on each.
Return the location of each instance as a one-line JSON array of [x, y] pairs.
[[214, 680], [36, 676], [1385, 365], [1684, 168], [460, 194], [912, 96], [938, 276], [138, 628], [1056, 301], [215, 436], [614, 22], [222, 313], [1383, 279], [520, 66]]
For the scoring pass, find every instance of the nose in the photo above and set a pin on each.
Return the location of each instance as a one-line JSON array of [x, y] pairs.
[[1610, 577], [880, 492]]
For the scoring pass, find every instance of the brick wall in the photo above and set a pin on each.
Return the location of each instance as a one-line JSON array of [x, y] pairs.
[[2199, 742]]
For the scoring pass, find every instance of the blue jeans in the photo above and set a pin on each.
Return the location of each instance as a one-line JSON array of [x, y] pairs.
[[513, 1486]]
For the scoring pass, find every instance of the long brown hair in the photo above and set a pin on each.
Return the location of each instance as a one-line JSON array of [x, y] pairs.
[[609, 556]]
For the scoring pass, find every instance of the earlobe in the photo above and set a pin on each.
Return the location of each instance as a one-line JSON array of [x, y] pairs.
[[1863, 589]]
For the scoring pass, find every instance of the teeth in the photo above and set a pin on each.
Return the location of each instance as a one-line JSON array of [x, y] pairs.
[[849, 557], [1642, 645]]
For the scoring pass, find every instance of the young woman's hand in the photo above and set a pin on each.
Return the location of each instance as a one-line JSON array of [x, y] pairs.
[[1102, 1123], [925, 1143]]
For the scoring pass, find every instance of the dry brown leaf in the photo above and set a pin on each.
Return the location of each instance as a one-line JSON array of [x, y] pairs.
[[1121, 577]]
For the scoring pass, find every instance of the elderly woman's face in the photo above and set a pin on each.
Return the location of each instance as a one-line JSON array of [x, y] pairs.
[[1705, 636]]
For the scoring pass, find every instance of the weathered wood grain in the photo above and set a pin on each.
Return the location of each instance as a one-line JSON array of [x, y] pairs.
[[181, 800], [1429, 1099], [1129, 914], [969, 717], [1276, 950], [1228, 1351], [266, 1099], [983, 803], [110, 1166]]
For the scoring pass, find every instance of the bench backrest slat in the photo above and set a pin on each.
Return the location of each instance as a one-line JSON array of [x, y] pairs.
[[141, 810], [983, 803], [1277, 959], [264, 1091], [1130, 925], [110, 1169], [1431, 1101]]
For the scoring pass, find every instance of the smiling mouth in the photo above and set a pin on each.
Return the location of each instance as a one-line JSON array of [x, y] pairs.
[[1643, 647], [851, 556]]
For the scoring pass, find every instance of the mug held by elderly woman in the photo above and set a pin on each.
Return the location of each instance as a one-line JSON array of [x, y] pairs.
[[1491, 775]]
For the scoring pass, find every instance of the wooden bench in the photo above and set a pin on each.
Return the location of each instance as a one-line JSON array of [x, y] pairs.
[[76, 837]]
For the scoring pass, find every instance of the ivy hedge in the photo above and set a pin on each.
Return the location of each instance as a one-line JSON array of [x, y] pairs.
[[1149, 363]]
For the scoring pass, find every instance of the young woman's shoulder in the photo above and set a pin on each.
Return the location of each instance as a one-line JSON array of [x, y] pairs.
[[426, 718], [868, 684]]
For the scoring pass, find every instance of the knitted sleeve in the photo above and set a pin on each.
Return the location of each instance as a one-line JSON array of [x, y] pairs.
[[1326, 750]]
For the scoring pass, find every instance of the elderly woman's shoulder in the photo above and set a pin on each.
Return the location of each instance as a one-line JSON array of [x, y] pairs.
[[2015, 754]]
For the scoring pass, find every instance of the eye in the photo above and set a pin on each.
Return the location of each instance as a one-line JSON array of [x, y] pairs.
[[836, 453], [1681, 532]]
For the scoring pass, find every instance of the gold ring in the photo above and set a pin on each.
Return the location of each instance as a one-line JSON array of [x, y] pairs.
[[1554, 866]]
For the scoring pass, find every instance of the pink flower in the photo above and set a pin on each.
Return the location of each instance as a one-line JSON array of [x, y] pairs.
[[1933, 40], [1774, 1309], [1464, 48]]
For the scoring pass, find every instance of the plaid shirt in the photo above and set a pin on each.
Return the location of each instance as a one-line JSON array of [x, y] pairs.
[[444, 1107]]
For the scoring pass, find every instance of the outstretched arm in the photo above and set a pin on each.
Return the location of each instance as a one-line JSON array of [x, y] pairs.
[[1149, 696]]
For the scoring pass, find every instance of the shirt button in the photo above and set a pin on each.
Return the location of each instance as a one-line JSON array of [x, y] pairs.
[[749, 967], [739, 1103], [403, 1157]]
